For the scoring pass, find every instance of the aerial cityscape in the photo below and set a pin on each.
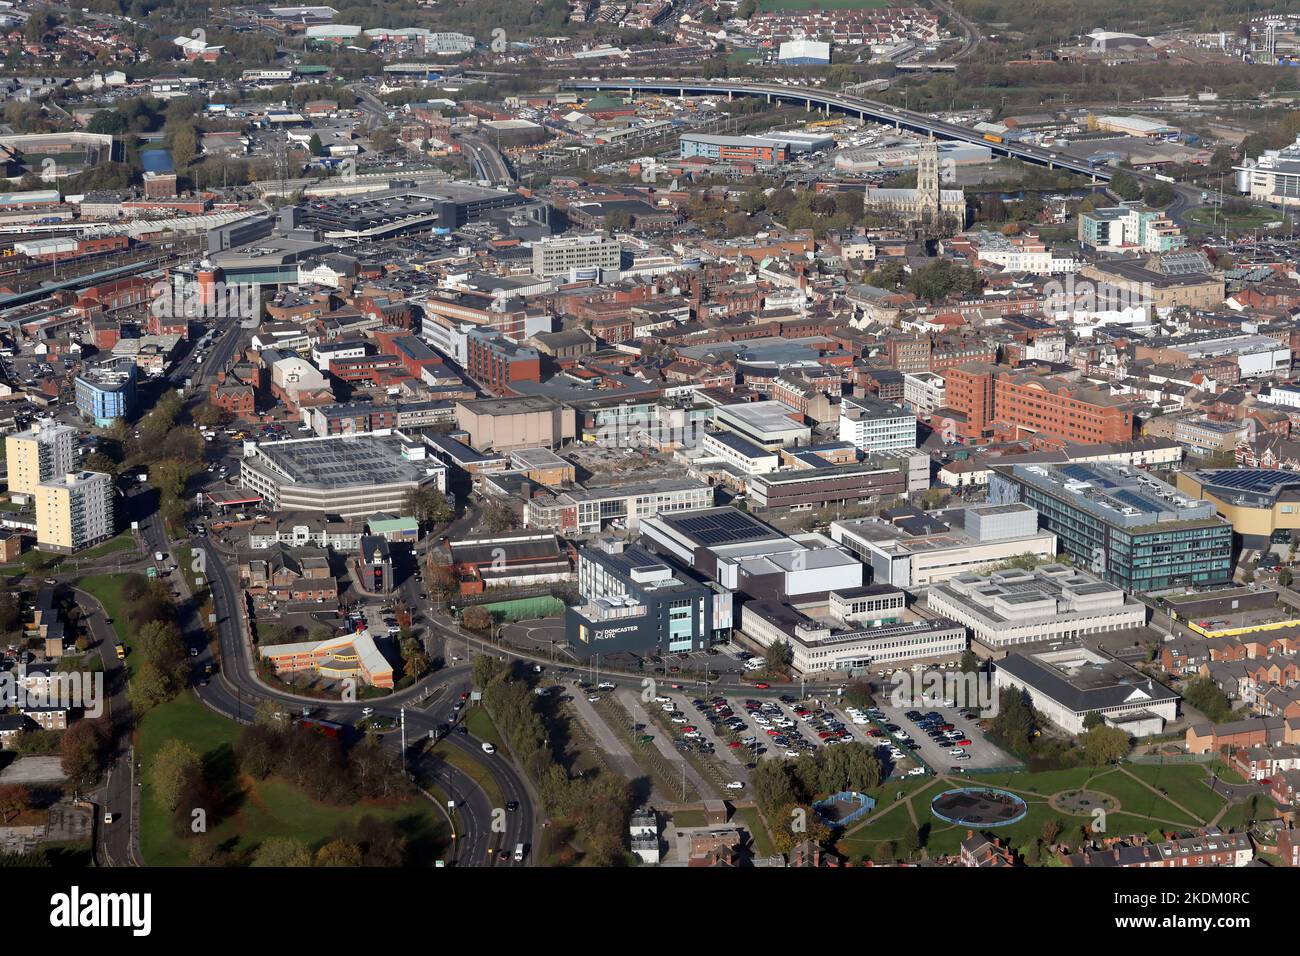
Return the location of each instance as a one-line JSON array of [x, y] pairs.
[[671, 434]]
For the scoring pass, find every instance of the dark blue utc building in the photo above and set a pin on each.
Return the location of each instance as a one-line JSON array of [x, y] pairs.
[[634, 601]]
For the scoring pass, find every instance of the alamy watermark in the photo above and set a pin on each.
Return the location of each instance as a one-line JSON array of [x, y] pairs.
[[71, 690], [647, 430], [949, 688], [194, 299], [1085, 296]]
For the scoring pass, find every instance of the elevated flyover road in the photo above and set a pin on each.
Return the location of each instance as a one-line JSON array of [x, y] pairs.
[[814, 98]]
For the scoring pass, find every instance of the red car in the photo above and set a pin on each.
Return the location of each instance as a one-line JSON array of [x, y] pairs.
[[773, 732], [734, 745], [824, 735], [688, 728], [762, 685], [963, 743]]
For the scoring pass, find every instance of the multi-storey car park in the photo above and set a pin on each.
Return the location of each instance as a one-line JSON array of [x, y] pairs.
[[348, 475]]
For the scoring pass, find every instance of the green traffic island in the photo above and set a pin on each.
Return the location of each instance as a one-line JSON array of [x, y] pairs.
[[276, 793]]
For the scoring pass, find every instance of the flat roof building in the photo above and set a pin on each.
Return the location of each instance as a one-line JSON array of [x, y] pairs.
[[955, 542], [347, 475], [634, 601], [769, 424], [1126, 526], [38, 454], [1051, 602], [819, 644], [1067, 684]]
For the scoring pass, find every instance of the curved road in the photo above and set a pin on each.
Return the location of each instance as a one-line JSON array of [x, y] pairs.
[[235, 691]]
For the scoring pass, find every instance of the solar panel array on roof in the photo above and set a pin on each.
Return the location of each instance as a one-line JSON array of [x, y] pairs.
[[1135, 500], [1250, 479], [1184, 263], [724, 526]]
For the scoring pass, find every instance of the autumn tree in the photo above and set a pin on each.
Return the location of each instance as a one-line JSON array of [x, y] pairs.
[[174, 766]]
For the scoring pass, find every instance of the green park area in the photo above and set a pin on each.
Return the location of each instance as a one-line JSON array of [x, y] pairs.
[[252, 811], [1141, 799], [1211, 218]]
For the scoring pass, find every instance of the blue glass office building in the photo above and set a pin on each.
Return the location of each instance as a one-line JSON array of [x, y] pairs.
[[107, 392], [1122, 524]]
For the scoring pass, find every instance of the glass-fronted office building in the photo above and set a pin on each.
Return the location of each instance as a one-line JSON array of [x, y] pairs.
[[1122, 524]]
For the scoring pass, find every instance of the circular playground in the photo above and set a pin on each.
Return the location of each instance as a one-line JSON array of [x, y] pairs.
[[979, 807], [1081, 803]]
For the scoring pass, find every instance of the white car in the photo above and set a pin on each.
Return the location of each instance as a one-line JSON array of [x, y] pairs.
[[488, 748], [367, 711], [735, 785], [663, 700], [956, 752], [916, 772], [792, 753], [679, 720]]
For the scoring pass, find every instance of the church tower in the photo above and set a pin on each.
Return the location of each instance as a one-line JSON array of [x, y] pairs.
[[927, 182]]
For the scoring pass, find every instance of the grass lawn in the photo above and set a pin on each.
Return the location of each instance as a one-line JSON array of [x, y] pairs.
[[472, 769], [1138, 800], [1186, 783], [688, 818], [260, 809], [1226, 773], [1238, 814], [894, 820], [1259, 219], [753, 821], [108, 589], [123, 542], [481, 726]]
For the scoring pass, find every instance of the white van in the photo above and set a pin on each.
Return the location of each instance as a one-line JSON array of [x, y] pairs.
[[519, 853], [754, 663]]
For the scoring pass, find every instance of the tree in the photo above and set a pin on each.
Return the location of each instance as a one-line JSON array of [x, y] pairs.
[[1158, 195], [314, 145], [859, 694], [1105, 745], [209, 415], [476, 618], [11, 615], [1015, 720], [339, 853], [1125, 186], [416, 666], [428, 506], [281, 852], [81, 752], [1093, 719], [969, 663], [775, 656], [14, 799], [184, 145], [911, 842], [175, 766], [498, 517]]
